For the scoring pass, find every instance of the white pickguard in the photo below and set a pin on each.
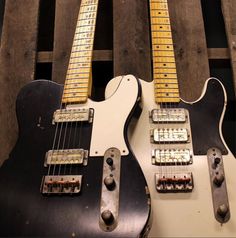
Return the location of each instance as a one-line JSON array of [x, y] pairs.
[[111, 115], [181, 214]]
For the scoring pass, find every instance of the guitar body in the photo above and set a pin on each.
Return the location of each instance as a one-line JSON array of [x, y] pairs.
[[188, 214], [24, 211]]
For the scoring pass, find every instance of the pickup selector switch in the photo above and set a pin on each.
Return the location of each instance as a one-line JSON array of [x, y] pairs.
[[217, 160], [110, 161], [110, 183]]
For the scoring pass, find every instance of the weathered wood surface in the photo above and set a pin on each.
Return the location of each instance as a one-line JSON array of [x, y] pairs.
[[229, 13], [131, 38], [65, 23], [17, 64], [190, 47]]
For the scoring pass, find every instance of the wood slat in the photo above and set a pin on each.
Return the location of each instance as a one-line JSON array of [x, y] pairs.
[[131, 39], [190, 46], [17, 64], [229, 9], [218, 53], [65, 22]]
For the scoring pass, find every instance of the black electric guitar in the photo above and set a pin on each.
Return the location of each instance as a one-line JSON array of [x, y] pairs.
[[72, 173]]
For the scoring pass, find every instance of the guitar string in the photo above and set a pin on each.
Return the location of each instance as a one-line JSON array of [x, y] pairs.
[[77, 138], [77, 126], [58, 163]]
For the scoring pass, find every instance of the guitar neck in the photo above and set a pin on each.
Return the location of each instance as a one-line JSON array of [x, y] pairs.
[[166, 87], [79, 74]]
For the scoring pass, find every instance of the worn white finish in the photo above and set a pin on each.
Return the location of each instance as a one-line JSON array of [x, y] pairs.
[[110, 116], [181, 215]]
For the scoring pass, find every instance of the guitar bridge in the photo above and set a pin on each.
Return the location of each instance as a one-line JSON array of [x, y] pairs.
[[174, 182], [57, 184]]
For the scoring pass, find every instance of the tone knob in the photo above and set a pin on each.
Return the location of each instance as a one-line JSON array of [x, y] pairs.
[[218, 179], [110, 183], [222, 210], [107, 217]]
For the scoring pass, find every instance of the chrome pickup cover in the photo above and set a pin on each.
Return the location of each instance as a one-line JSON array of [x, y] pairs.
[[166, 115], [171, 135], [73, 115], [57, 184], [171, 156], [174, 182], [71, 156]]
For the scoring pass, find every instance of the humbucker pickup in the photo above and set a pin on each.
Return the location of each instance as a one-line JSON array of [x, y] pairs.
[[57, 184], [73, 115], [70, 156], [171, 157], [170, 135], [174, 182], [177, 115]]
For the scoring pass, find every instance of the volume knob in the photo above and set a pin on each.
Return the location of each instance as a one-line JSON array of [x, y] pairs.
[[107, 217]]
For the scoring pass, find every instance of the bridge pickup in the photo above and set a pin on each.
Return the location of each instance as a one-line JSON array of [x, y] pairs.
[[71, 156], [174, 182], [73, 115], [169, 135], [171, 115], [57, 184], [171, 157]]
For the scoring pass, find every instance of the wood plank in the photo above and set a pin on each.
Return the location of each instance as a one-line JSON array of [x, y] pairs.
[[17, 64], [65, 22], [229, 9], [132, 53], [190, 47], [98, 55], [218, 53]]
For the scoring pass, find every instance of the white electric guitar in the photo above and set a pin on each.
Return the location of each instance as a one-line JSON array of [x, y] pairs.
[[190, 171]]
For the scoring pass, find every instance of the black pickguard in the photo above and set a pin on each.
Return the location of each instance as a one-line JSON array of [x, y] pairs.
[[205, 119], [24, 211]]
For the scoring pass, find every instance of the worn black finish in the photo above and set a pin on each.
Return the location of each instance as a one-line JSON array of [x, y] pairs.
[[205, 118], [24, 211]]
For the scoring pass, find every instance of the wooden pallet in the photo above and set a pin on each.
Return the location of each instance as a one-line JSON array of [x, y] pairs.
[[131, 52]]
